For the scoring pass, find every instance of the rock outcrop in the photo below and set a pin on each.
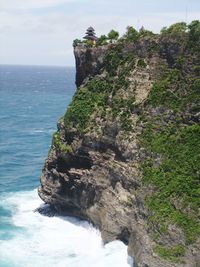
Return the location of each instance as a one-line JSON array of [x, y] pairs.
[[88, 62], [94, 167]]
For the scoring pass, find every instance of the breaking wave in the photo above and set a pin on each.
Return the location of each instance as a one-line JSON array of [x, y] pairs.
[[38, 240]]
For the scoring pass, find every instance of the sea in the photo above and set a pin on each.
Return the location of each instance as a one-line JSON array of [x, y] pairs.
[[32, 99]]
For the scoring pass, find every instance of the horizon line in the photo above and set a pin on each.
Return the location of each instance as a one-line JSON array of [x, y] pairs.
[[36, 65]]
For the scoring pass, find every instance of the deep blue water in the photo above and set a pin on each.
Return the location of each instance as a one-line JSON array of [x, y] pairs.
[[32, 99]]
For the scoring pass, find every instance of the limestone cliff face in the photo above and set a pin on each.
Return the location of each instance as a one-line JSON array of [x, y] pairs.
[[89, 61], [93, 169]]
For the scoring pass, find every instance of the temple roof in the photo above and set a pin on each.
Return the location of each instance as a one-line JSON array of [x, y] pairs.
[[90, 34], [90, 29]]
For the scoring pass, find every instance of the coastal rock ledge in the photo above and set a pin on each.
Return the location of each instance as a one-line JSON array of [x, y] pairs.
[[102, 156]]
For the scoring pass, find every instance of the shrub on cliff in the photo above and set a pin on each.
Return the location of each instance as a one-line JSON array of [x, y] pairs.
[[194, 35], [85, 102], [113, 36], [175, 29], [194, 28], [131, 34], [76, 42], [177, 196], [59, 144], [102, 40]]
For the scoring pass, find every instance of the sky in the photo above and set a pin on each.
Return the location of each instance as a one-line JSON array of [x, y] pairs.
[[41, 32]]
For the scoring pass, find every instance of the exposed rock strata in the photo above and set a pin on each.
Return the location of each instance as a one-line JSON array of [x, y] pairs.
[[88, 62]]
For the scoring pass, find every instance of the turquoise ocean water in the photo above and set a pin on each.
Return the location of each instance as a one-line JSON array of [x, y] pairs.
[[32, 99]]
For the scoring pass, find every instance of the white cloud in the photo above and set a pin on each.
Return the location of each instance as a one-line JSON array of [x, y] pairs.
[[28, 38], [74, 25], [30, 4]]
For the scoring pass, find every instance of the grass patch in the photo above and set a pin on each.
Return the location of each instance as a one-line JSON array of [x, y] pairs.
[[173, 254], [176, 90], [81, 108], [97, 94], [176, 178], [60, 145], [141, 63]]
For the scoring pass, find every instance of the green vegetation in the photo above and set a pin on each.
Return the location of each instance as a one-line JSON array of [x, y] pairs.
[[167, 91], [112, 60], [102, 40], [176, 178], [113, 36], [145, 33], [59, 144], [194, 30], [85, 43], [176, 199], [76, 42], [177, 196], [95, 95], [176, 90], [131, 34], [172, 254], [194, 36], [83, 105], [185, 34], [175, 29], [141, 63]]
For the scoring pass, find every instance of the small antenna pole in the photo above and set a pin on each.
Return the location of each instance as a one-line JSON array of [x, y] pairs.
[[186, 14], [138, 24]]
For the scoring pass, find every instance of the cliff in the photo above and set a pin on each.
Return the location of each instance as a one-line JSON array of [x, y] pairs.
[[126, 153], [88, 62]]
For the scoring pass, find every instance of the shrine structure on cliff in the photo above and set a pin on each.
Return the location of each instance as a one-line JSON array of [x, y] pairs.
[[90, 35]]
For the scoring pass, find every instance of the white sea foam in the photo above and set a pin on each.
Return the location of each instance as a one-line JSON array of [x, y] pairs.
[[54, 241], [36, 131]]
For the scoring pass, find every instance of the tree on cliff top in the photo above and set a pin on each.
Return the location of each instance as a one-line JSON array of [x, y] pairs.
[[113, 36], [131, 34], [76, 42], [102, 40], [194, 28], [174, 29]]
